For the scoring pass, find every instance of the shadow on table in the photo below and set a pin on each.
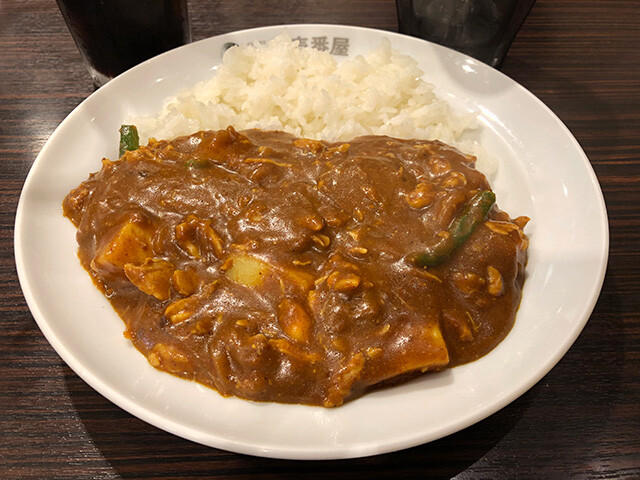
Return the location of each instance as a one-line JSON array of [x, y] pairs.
[[136, 449]]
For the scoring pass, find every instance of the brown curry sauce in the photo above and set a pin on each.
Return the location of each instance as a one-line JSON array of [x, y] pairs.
[[275, 268]]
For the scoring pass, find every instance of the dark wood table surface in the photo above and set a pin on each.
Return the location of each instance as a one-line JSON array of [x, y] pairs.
[[582, 420]]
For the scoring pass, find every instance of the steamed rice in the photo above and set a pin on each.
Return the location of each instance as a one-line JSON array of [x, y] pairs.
[[303, 91]]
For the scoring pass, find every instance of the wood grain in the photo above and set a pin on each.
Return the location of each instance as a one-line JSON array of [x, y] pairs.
[[580, 57]]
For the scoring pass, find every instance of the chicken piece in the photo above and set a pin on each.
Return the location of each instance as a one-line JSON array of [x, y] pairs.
[[185, 282], [184, 308], [196, 237], [292, 351], [294, 320], [171, 359], [344, 380], [495, 285], [462, 325], [153, 277], [298, 279]]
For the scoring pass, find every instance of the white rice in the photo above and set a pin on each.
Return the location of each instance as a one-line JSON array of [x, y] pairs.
[[280, 86]]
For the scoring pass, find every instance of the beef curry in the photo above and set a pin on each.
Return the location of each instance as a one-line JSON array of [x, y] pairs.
[[276, 268]]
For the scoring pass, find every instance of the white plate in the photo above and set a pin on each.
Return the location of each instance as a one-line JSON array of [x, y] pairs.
[[543, 174]]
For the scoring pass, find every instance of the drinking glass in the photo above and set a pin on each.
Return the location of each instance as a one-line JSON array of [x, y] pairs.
[[115, 35], [483, 29]]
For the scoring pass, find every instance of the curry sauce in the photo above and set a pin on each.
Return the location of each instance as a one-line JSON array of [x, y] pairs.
[[276, 268]]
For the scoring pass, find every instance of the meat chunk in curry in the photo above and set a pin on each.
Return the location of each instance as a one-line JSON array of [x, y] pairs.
[[276, 268]]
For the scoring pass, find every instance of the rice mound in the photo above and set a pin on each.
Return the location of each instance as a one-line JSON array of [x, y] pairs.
[[281, 86]]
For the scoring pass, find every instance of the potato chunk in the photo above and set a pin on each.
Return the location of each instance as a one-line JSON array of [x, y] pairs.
[[130, 245], [423, 349], [247, 270], [252, 272]]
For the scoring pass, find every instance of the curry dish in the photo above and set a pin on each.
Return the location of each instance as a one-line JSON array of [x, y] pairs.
[[276, 268]]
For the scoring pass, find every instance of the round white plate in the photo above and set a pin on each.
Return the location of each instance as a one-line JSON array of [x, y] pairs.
[[543, 173]]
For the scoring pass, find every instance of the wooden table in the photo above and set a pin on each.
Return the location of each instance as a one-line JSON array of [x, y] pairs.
[[582, 420]]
